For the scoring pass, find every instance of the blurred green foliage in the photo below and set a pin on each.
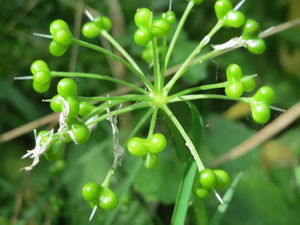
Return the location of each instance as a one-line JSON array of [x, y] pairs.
[[268, 192]]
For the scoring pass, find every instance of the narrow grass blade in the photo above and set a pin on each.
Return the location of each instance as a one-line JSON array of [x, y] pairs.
[[183, 196]]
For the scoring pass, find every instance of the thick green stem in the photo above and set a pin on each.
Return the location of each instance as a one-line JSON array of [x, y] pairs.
[[199, 88], [157, 72], [120, 111], [114, 56], [177, 32], [121, 50], [196, 51], [153, 122], [206, 96], [98, 76], [117, 98], [186, 137]]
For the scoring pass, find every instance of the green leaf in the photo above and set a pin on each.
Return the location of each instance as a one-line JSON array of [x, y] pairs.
[[216, 219], [160, 184], [183, 196], [196, 125]]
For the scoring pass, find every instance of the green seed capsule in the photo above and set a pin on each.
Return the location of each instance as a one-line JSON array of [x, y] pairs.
[[85, 108], [169, 16], [142, 36], [57, 25], [56, 49], [251, 29], [40, 88], [91, 192], [248, 84], [234, 19], [203, 193], [143, 17], [207, 179], [137, 146], [147, 55], [234, 72], [56, 104], [107, 24], [151, 161], [234, 89], [256, 46], [223, 179], [73, 106], [38, 66], [42, 77], [67, 87], [156, 143], [90, 30], [222, 7], [80, 133], [260, 112], [55, 152], [108, 199], [265, 94], [63, 37], [160, 27]]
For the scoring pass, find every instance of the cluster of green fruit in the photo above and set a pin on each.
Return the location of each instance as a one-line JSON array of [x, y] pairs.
[[236, 85], [250, 33], [66, 101], [41, 76], [260, 104], [67, 98], [211, 179], [147, 148], [149, 27], [62, 37], [93, 29], [97, 195], [233, 18]]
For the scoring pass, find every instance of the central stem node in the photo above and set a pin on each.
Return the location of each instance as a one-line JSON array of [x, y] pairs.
[[158, 99]]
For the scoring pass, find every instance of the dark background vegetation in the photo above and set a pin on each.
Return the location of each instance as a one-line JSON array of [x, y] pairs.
[[268, 192]]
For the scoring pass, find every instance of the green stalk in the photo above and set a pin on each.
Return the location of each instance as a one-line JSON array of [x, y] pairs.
[[207, 87], [196, 51], [102, 107], [153, 122], [98, 76], [177, 32], [121, 50], [114, 56], [108, 177], [121, 111], [199, 88], [139, 124], [117, 98], [207, 96], [207, 56], [185, 136], [157, 71]]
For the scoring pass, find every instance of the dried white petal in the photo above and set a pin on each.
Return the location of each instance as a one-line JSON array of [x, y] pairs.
[[232, 43], [38, 150]]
